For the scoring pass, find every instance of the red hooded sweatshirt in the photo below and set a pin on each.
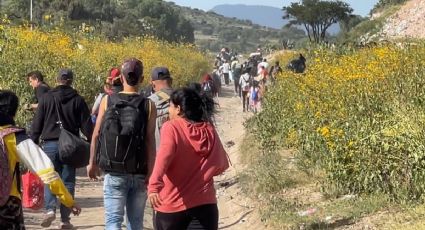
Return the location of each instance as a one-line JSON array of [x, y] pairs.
[[189, 156]]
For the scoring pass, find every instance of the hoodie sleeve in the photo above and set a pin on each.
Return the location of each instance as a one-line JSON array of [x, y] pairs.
[[85, 119], [37, 161], [220, 158], [164, 157], [38, 121]]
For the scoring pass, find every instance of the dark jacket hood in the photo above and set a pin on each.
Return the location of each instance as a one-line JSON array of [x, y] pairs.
[[64, 93]]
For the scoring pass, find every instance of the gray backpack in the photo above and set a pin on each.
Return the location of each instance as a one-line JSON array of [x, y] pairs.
[[6, 178], [162, 103]]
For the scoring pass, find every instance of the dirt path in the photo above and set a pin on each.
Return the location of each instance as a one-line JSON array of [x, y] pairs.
[[236, 211]]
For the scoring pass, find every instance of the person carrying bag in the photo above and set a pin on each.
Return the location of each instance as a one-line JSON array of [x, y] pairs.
[[61, 114], [73, 150]]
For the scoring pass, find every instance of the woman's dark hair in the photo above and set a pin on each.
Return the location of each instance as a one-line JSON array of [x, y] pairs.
[[9, 103], [195, 86], [194, 106]]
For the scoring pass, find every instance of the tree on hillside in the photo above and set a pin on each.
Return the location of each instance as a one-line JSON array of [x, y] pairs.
[[316, 16]]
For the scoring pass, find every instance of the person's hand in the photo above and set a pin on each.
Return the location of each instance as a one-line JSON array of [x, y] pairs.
[[76, 210], [93, 171], [154, 199], [27, 107]]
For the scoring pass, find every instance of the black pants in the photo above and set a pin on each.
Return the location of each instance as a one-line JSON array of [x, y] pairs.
[[11, 216], [226, 78], [237, 87], [245, 100], [205, 215]]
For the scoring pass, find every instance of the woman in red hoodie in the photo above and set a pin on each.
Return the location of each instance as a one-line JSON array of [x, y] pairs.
[[181, 187]]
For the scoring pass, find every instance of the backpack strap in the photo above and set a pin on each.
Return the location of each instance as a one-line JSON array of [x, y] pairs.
[[59, 122], [17, 175], [160, 97], [16, 172]]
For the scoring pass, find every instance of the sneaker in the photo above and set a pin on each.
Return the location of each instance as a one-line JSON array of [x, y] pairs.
[[48, 218], [65, 225]]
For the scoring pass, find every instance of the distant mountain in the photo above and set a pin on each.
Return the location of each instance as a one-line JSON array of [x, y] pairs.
[[214, 31], [261, 15]]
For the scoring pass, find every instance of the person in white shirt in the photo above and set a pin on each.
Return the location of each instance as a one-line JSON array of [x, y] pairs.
[[264, 64], [244, 83], [226, 70]]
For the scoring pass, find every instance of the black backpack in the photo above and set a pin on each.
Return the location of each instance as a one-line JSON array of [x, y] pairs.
[[121, 143]]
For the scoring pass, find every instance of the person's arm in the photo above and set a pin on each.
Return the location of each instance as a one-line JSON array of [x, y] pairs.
[[33, 107], [85, 119], [165, 156], [150, 139], [38, 162], [96, 105], [92, 168], [38, 121]]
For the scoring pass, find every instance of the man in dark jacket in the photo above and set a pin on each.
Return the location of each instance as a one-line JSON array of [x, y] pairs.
[[36, 80], [75, 116]]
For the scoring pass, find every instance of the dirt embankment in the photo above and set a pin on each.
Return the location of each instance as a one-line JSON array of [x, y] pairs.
[[408, 22]]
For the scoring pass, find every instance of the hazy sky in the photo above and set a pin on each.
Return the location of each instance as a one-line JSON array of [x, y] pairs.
[[361, 7]]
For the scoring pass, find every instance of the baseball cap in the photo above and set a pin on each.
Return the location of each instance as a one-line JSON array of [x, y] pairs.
[[160, 73], [133, 66], [114, 73], [65, 74]]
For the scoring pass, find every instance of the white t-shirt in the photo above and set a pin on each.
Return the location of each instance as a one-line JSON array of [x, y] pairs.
[[226, 68], [264, 64], [244, 82]]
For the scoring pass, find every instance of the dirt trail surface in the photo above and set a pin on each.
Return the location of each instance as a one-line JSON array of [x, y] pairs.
[[236, 210]]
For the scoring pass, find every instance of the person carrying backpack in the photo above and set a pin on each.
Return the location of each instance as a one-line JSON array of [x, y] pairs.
[[161, 82], [254, 96], [16, 147], [207, 85], [123, 146], [244, 83]]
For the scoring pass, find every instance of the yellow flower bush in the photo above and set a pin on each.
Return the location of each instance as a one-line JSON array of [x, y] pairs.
[[23, 50], [358, 116]]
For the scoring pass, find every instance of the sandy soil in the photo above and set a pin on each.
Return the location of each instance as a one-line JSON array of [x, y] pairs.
[[407, 22], [236, 210]]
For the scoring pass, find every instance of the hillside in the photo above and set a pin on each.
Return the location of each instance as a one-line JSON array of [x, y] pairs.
[[213, 31], [394, 22], [262, 15], [407, 22]]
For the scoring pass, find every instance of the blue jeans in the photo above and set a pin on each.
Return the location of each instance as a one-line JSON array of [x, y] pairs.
[[67, 174], [124, 190]]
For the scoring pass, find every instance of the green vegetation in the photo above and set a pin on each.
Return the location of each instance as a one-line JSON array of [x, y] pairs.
[[352, 124], [117, 19], [23, 50], [113, 19], [386, 3], [317, 16], [367, 28]]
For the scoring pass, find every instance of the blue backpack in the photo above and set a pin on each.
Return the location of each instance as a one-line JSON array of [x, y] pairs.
[[254, 95]]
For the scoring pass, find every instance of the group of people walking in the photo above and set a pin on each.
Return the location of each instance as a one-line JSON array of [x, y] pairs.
[[251, 78], [155, 144]]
